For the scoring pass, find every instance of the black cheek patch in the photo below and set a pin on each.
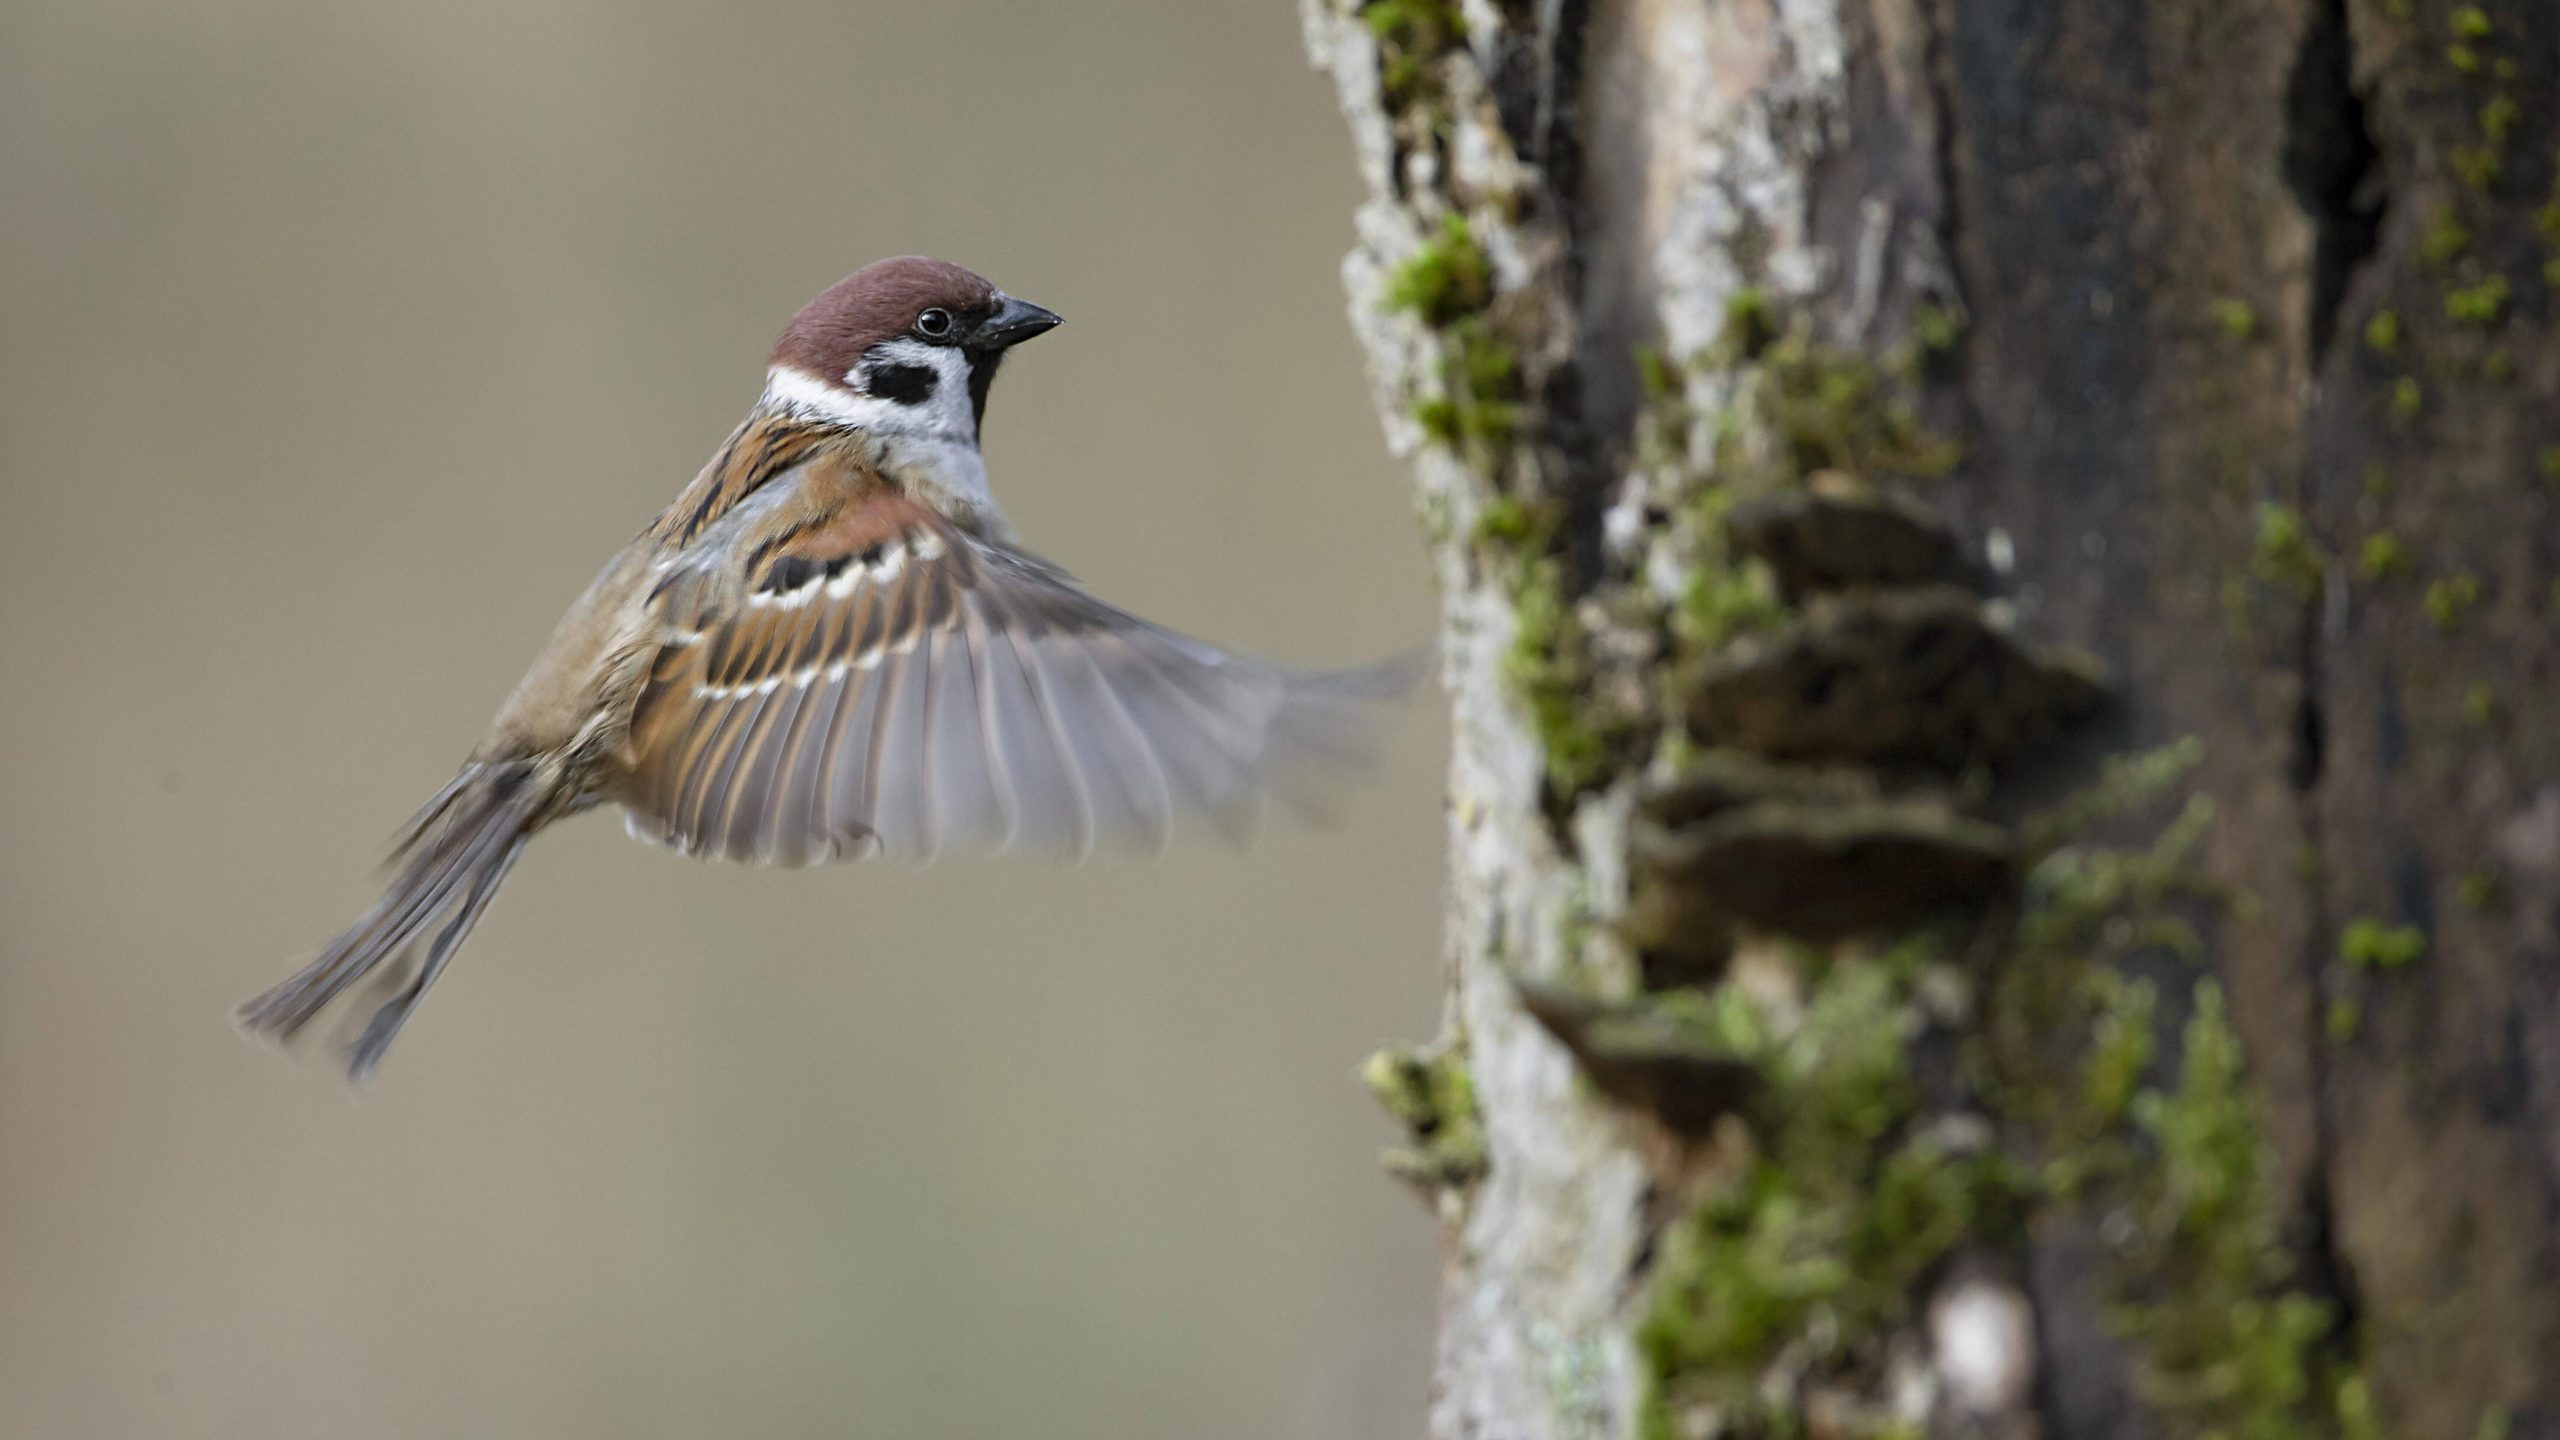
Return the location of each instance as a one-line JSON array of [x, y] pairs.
[[901, 384]]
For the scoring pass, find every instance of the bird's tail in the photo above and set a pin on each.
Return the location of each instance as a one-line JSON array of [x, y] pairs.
[[451, 857]]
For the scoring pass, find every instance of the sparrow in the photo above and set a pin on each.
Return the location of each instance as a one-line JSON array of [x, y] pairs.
[[829, 647]]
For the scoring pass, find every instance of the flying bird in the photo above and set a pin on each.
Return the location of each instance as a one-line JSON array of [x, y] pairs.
[[829, 647]]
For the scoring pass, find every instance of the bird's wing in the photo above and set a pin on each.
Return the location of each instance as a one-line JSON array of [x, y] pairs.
[[892, 685]]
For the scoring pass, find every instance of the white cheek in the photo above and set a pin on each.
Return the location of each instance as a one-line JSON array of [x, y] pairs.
[[944, 415], [794, 389]]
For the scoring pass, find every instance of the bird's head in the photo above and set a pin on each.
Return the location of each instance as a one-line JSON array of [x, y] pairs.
[[903, 349]]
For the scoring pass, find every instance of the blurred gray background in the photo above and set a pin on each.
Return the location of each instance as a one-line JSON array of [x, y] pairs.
[[343, 342]]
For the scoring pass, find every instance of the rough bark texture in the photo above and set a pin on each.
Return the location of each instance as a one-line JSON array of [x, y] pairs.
[[2001, 619]]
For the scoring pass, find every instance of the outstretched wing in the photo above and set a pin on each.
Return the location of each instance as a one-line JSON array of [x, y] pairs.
[[891, 685]]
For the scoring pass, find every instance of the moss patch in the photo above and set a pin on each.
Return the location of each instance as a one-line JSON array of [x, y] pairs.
[[1798, 1265], [2236, 318], [1831, 409], [1447, 278], [1545, 669], [2382, 557], [2227, 1342], [2369, 944], [1410, 34], [2286, 554], [2231, 1347], [2478, 304], [2445, 240], [1430, 1094], [2450, 599]]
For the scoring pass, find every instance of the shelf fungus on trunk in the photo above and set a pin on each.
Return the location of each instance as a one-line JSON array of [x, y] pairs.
[[1824, 872], [1642, 1056], [1928, 678], [1840, 533]]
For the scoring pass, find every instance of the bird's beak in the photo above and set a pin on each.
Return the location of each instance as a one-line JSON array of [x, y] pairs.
[[1014, 322]]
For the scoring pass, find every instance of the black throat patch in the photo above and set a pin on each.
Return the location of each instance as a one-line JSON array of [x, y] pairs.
[[982, 375]]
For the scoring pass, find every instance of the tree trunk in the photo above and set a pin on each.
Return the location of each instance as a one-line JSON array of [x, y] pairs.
[[2000, 614]]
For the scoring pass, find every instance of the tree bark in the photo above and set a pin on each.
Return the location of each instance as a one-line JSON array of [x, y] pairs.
[[1999, 563]]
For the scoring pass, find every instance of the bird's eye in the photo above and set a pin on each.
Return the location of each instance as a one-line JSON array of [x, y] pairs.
[[934, 324]]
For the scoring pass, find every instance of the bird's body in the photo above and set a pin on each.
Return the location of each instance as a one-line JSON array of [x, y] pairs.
[[827, 647]]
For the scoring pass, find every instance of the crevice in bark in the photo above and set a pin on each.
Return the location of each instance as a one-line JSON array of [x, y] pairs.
[[1938, 60], [2332, 164], [1552, 80], [2334, 168]]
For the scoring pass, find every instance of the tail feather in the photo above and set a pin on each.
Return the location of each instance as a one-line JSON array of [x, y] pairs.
[[451, 858]]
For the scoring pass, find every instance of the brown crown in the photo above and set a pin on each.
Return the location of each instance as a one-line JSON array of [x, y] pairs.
[[877, 302]]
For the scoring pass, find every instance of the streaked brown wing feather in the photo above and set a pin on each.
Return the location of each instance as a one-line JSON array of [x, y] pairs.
[[890, 685]]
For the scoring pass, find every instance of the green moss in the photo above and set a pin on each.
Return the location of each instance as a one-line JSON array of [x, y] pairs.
[[1447, 282], [1411, 34], [1741, 1276], [2451, 598], [2382, 557], [2462, 57], [1813, 1249], [2498, 366], [2407, 398], [2498, 117], [2344, 1019], [1937, 328], [2286, 554], [2237, 319], [1831, 409], [2223, 1342], [2382, 332], [2479, 304], [2478, 165], [2309, 864], [2228, 1349], [1663, 378], [1509, 523], [2206, 1129], [1749, 323], [1724, 601], [2469, 22], [1446, 278], [1545, 670], [2546, 462], [2445, 240], [2377, 482], [2121, 1044], [2369, 944], [1798, 406], [2480, 890], [2479, 704], [1478, 403], [1746, 1271], [1431, 1094]]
